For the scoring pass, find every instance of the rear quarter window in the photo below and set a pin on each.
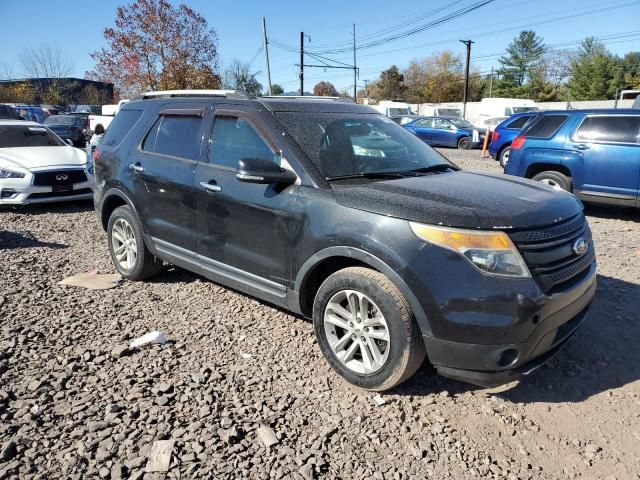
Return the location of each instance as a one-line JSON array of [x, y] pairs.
[[122, 123], [518, 123], [546, 126], [615, 129]]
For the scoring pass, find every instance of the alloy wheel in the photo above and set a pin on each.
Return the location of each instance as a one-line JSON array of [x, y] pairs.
[[357, 332], [123, 241]]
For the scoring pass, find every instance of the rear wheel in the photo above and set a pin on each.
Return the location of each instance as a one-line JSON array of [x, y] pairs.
[[365, 329], [464, 143], [504, 156], [554, 179], [128, 252]]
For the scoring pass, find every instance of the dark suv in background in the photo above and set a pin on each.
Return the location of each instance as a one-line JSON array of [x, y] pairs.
[[335, 212]]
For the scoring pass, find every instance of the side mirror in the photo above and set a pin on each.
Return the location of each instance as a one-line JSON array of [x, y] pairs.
[[69, 141], [259, 170]]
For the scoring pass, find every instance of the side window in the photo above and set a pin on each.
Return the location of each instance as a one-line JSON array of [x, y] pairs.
[[234, 139], [441, 124], [546, 126], [176, 136], [425, 123], [122, 123], [617, 129], [518, 123]]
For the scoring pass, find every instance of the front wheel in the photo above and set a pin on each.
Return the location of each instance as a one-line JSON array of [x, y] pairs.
[[464, 143], [365, 329], [128, 252], [554, 179], [504, 156]]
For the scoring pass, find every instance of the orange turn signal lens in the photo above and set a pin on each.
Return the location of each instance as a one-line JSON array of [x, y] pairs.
[[462, 240]]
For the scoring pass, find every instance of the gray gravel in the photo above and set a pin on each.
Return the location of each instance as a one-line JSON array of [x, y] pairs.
[[243, 391]]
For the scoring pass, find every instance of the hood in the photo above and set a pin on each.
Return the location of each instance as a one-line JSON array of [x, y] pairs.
[[34, 158], [463, 199]]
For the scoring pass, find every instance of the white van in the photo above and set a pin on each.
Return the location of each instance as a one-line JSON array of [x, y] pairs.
[[444, 110], [392, 108], [502, 107]]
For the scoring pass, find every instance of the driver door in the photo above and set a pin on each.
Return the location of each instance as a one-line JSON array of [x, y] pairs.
[[443, 133], [244, 229]]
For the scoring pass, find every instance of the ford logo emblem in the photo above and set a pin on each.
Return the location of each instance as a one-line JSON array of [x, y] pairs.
[[62, 177], [580, 247]]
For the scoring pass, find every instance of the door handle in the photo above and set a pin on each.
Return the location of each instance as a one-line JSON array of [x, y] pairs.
[[136, 167], [581, 146], [210, 187]]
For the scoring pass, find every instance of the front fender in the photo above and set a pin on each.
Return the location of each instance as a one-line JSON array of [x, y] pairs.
[[389, 268]]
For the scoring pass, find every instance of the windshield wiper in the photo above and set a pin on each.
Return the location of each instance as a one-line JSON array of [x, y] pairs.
[[440, 167], [369, 175]]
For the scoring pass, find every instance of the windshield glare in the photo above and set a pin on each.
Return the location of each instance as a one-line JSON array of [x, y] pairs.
[[60, 120], [458, 122], [23, 136], [342, 144]]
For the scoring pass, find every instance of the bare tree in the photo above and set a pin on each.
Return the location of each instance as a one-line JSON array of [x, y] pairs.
[[49, 67], [46, 61], [238, 76]]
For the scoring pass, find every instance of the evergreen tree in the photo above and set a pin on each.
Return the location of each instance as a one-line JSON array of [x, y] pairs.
[[524, 54], [595, 72]]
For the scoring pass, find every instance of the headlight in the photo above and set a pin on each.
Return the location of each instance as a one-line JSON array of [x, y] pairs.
[[10, 174], [492, 253]]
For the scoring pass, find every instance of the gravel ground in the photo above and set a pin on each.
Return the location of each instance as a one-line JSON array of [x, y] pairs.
[[236, 372]]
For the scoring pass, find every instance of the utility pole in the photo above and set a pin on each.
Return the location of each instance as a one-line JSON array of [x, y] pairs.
[[355, 68], [466, 78], [302, 63], [366, 87], [491, 84], [266, 55]]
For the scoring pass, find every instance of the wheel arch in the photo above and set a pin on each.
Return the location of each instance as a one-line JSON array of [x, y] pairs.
[[328, 261], [113, 198], [536, 168]]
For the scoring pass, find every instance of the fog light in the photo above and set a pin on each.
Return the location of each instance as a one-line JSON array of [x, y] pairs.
[[8, 193], [508, 357]]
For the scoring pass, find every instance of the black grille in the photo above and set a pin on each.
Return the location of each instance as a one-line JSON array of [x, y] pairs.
[[59, 177], [549, 251], [68, 193]]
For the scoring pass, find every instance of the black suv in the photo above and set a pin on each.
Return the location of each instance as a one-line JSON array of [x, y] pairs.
[[335, 212]]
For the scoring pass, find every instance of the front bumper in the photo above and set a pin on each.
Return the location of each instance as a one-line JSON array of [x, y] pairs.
[[16, 193], [489, 365]]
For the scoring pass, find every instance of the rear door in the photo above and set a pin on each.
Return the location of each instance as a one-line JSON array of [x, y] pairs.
[[163, 169], [443, 134], [244, 229], [423, 129], [610, 148]]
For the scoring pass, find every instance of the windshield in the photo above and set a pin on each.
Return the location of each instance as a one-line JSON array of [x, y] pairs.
[[342, 144], [458, 122], [524, 109], [396, 112], [450, 112], [28, 136], [60, 120]]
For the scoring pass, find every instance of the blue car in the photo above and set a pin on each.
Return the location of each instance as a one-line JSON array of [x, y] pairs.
[[446, 132], [593, 153], [504, 133]]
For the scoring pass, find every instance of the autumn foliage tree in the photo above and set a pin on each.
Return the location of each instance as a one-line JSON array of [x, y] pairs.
[[325, 89], [155, 45]]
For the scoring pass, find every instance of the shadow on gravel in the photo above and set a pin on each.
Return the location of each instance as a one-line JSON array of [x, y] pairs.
[[12, 240], [603, 355], [614, 213], [47, 208]]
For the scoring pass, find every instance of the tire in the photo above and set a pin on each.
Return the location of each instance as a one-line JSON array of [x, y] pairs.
[[555, 180], [142, 263], [399, 356], [503, 157], [464, 143]]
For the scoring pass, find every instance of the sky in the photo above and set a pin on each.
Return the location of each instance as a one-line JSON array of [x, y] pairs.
[[76, 27]]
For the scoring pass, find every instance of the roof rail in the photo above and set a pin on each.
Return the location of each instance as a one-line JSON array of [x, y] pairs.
[[309, 97], [192, 93]]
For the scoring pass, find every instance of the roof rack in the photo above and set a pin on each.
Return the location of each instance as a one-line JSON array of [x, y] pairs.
[[193, 93], [309, 97]]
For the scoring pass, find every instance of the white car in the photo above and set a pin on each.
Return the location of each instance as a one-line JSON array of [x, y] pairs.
[[36, 166]]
